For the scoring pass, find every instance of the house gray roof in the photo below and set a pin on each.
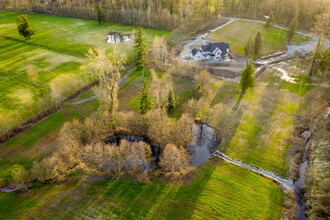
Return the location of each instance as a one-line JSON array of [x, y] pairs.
[[194, 51], [211, 47]]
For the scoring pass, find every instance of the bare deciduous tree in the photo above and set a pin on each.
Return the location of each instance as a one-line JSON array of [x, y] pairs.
[[106, 68], [174, 159]]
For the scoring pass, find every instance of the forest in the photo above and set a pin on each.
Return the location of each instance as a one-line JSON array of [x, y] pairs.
[[171, 14]]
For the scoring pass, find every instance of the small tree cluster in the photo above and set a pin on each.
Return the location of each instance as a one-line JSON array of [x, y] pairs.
[[23, 26], [257, 43], [146, 99], [203, 83], [269, 20], [174, 159], [140, 49], [247, 81], [111, 158], [105, 67], [248, 49], [100, 13], [158, 54]]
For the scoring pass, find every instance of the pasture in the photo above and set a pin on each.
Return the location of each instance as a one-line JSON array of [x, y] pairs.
[[238, 33], [54, 55]]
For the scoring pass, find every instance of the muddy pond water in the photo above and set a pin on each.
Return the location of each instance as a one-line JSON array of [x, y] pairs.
[[116, 38], [204, 142]]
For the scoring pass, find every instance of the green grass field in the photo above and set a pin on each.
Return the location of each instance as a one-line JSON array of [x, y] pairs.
[[264, 119], [238, 33], [216, 190], [56, 53]]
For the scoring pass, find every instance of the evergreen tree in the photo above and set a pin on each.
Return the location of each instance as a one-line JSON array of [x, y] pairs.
[[146, 100], [171, 102], [140, 49], [248, 47], [257, 43], [23, 26], [292, 29], [100, 13], [248, 80]]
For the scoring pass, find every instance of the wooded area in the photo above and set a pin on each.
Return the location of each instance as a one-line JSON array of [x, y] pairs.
[[170, 14]]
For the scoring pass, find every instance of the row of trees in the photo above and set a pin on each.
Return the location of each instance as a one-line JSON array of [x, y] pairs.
[[253, 47], [170, 14]]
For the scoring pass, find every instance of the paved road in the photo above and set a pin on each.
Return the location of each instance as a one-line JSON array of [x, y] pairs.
[[288, 184]]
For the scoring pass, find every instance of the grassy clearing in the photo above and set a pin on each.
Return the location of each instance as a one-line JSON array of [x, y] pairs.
[[56, 53], [40, 139], [71, 35], [264, 119], [238, 32], [216, 190]]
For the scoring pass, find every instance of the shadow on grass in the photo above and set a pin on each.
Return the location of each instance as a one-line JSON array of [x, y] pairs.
[[236, 106], [182, 204]]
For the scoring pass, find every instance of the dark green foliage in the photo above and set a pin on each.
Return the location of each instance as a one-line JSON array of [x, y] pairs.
[[292, 29], [248, 47], [100, 14], [171, 102], [248, 80], [23, 26], [258, 43], [140, 49], [146, 99]]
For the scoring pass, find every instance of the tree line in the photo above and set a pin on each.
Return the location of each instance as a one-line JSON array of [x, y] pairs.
[[170, 14]]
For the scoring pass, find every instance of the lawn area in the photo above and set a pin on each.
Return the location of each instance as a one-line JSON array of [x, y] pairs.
[[263, 119], [238, 33], [39, 140], [71, 35], [55, 54], [216, 190]]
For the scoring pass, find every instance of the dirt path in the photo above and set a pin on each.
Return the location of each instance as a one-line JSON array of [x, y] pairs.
[[96, 96], [288, 184]]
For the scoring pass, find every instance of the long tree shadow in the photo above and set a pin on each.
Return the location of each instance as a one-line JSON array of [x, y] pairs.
[[181, 205], [238, 102]]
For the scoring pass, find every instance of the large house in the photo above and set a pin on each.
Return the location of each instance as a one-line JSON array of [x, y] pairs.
[[211, 51]]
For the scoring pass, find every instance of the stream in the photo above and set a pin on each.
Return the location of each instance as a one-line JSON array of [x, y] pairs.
[[300, 183]]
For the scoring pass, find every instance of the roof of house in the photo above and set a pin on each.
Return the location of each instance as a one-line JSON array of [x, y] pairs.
[[211, 47], [194, 51]]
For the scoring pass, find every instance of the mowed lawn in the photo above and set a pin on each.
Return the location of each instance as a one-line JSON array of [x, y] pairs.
[[238, 33], [56, 53], [40, 140], [216, 190]]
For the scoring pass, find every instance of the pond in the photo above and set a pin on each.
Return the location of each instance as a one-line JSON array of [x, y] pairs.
[[204, 142], [116, 38], [117, 138]]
